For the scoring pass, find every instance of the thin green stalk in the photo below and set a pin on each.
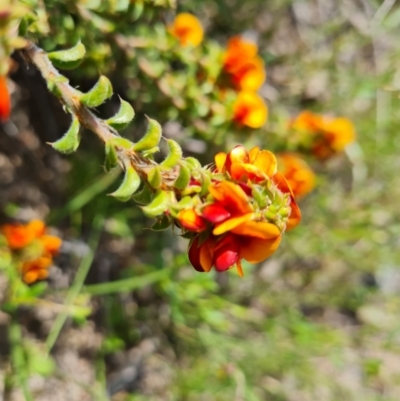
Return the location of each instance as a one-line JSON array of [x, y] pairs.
[[77, 284], [18, 358], [128, 284]]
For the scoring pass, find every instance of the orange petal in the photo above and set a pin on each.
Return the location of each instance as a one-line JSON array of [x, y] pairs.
[[37, 227], [51, 243], [229, 224], [266, 162], [295, 215], [255, 250], [31, 276], [257, 229], [232, 197], [239, 267]]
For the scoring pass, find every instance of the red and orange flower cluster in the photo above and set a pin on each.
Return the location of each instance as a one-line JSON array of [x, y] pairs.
[[249, 207], [326, 135], [247, 72], [32, 248]]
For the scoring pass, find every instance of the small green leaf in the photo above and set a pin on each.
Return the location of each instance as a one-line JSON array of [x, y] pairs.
[[161, 224], [183, 178], [154, 177], [68, 59], [205, 183], [144, 196], [158, 205], [151, 137], [70, 141], [98, 94], [174, 155], [129, 185], [111, 157], [123, 117], [122, 142]]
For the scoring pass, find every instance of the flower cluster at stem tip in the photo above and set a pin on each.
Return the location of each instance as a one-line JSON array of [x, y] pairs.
[[31, 248], [242, 64], [248, 208]]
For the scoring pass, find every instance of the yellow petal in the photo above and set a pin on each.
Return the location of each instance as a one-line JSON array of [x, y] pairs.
[[257, 229], [229, 224], [266, 162], [220, 159], [255, 250]]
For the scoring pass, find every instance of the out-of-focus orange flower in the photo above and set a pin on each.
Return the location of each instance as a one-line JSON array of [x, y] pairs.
[[238, 50], [249, 76], [44, 247], [187, 29], [298, 173], [35, 270], [246, 68], [250, 109], [331, 134], [51, 244], [190, 220], [17, 235], [5, 101]]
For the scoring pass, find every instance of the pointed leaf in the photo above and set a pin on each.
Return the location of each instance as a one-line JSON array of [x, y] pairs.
[[174, 155], [68, 59], [193, 163], [123, 117], [129, 185], [98, 94], [161, 224], [158, 205], [111, 157], [122, 142], [144, 196], [154, 177], [151, 137], [183, 178], [70, 141]]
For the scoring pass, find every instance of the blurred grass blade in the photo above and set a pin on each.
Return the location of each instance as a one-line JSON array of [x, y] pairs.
[[83, 198], [126, 285], [77, 285]]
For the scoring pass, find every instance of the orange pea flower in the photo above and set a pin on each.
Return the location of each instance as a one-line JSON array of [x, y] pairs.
[[35, 270], [21, 235], [250, 109], [246, 68], [187, 29], [331, 135], [5, 101], [298, 174]]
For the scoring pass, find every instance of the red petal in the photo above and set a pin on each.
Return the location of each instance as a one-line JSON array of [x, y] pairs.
[[215, 213], [200, 256], [227, 253], [5, 102]]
